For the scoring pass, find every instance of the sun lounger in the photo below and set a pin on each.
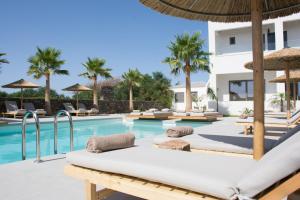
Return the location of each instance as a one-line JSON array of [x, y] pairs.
[[69, 107], [92, 111], [153, 173], [229, 144], [195, 115], [181, 114], [13, 110], [280, 114], [30, 107], [156, 114], [270, 122]]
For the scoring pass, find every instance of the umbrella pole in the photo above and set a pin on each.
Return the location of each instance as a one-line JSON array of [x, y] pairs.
[[288, 92], [294, 88], [258, 77], [21, 98]]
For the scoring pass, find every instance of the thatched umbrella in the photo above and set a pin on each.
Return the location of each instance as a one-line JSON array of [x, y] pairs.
[[294, 76], [284, 59], [21, 84], [77, 88], [234, 11]]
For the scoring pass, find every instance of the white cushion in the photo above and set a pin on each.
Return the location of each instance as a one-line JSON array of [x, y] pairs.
[[209, 174]]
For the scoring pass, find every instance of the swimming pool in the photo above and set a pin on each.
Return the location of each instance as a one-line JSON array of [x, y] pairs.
[[11, 135]]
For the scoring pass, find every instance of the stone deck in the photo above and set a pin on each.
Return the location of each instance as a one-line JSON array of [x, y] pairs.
[[26, 180]]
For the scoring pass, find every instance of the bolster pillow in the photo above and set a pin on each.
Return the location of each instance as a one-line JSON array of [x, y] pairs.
[[98, 144]]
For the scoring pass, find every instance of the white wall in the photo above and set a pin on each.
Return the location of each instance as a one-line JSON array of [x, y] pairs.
[[293, 32], [228, 61], [243, 41], [181, 106], [235, 107]]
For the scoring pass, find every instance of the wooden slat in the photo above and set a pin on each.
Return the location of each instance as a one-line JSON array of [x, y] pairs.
[[199, 118], [104, 193], [284, 189], [153, 191], [90, 191], [134, 186]]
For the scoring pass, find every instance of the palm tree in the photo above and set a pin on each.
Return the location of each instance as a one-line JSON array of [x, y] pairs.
[[212, 95], [278, 100], [3, 60], [46, 62], [95, 67], [188, 56], [132, 78]]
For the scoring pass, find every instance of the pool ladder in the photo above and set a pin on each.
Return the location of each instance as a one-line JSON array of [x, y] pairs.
[[59, 113], [38, 133]]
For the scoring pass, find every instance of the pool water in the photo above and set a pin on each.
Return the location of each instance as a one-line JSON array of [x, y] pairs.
[[11, 135]]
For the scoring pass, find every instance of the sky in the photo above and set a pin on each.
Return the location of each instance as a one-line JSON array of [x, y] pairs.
[[123, 32]]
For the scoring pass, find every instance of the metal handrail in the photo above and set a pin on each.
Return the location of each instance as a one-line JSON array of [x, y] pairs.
[[59, 113], [38, 134]]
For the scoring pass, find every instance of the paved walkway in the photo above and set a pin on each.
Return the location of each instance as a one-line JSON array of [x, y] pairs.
[[26, 180]]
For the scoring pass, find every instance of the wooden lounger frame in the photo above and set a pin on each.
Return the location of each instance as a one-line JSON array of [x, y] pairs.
[[15, 115], [248, 126], [154, 191], [196, 118], [162, 117]]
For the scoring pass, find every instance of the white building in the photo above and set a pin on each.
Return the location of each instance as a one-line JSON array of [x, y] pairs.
[[231, 47], [198, 93]]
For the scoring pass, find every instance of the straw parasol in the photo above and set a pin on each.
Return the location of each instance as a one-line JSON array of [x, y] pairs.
[[21, 84], [284, 59], [77, 88], [294, 76], [236, 11], [221, 10]]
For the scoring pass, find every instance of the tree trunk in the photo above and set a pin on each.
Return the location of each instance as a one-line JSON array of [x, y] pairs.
[[188, 97], [95, 93], [47, 95], [130, 98]]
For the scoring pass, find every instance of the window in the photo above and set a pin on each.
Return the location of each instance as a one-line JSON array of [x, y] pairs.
[[241, 90], [285, 39], [232, 40], [297, 90], [271, 41], [179, 97]]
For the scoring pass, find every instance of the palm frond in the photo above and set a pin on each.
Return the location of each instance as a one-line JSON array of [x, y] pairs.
[[46, 61], [211, 93], [187, 50], [95, 67]]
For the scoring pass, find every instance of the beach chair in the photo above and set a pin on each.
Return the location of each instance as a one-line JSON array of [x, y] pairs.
[[153, 173], [92, 111], [13, 110], [69, 107], [197, 115], [270, 122], [156, 114], [30, 107], [231, 144], [135, 114], [279, 114]]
